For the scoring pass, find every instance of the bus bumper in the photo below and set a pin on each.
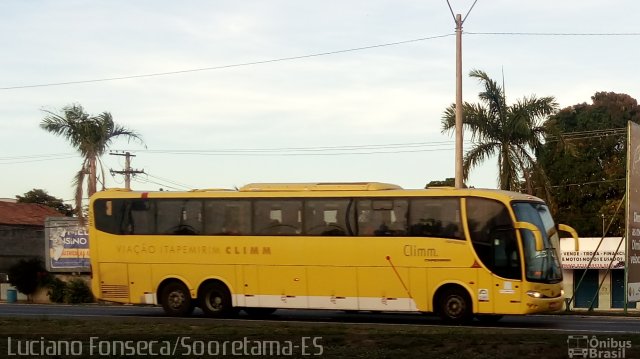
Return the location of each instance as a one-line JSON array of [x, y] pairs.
[[543, 305]]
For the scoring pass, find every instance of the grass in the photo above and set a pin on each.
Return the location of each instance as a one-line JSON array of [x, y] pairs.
[[336, 340]]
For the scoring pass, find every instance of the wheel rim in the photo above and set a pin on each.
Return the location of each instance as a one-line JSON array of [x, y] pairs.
[[176, 299], [455, 306], [214, 302]]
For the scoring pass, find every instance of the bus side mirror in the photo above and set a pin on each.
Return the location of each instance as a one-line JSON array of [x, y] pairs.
[[534, 230], [574, 234]]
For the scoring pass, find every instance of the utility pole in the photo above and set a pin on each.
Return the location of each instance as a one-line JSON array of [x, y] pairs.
[[459, 131], [459, 135], [127, 172]]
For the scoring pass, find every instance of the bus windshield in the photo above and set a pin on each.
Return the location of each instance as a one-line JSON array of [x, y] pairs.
[[541, 266]]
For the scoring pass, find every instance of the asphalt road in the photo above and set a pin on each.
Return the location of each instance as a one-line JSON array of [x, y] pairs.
[[585, 324]]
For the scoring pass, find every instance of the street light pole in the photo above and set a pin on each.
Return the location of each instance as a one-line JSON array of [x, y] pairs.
[[603, 233]]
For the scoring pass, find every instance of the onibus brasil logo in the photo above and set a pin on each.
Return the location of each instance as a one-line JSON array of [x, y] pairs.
[[583, 346]]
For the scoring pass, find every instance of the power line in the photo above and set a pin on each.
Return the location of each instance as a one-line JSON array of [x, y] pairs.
[[588, 183], [310, 151], [139, 180], [581, 135], [9, 161], [335, 52], [556, 33], [365, 149], [221, 67], [265, 154], [170, 181]]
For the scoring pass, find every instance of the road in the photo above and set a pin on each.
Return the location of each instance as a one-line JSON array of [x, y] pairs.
[[566, 323]]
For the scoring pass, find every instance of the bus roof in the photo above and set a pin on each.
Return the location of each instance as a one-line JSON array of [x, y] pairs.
[[320, 190], [327, 186]]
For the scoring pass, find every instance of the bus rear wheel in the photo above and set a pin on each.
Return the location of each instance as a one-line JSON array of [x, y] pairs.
[[176, 300], [455, 306], [215, 300]]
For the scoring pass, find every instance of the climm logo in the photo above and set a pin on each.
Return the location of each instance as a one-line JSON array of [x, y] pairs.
[[248, 250], [411, 250]]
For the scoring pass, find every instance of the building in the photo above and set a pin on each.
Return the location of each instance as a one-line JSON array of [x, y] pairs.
[[22, 231], [601, 276]]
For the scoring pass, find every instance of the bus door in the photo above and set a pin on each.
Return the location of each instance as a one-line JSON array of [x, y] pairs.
[[494, 240]]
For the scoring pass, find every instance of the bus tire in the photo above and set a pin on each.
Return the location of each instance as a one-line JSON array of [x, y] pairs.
[[176, 300], [454, 306], [215, 300]]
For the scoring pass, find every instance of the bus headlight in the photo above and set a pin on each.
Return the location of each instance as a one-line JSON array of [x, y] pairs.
[[562, 292], [534, 294]]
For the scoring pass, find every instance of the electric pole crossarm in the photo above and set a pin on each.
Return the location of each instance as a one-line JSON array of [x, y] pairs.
[[127, 172]]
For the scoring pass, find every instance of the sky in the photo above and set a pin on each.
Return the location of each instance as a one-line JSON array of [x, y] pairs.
[[226, 93]]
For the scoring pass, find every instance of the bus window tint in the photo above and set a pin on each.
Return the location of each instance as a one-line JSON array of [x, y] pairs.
[[326, 217], [222, 217], [385, 217], [277, 217], [493, 237], [435, 217], [139, 217], [180, 217], [108, 214]]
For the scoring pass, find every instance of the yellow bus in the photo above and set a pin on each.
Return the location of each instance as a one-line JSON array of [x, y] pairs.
[[337, 246]]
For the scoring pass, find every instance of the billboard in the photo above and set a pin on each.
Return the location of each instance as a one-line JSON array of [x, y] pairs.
[[66, 245], [610, 254], [633, 213]]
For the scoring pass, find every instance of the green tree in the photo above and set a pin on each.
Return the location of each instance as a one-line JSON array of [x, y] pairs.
[[449, 182], [91, 137], [41, 196], [27, 275], [510, 132], [585, 161]]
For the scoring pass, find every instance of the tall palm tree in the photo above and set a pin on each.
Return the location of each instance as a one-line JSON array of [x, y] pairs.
[[512, 132], [91, 137]]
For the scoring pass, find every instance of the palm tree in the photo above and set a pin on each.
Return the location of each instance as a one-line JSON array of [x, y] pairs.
[[513, 133], [91, 136]]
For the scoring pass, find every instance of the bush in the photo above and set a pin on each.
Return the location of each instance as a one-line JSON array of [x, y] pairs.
[[28, 274], [57, 289], [72, 292], [78, 291]]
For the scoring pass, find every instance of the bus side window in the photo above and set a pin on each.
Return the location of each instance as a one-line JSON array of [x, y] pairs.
[[435, 217], [382, 217], [139, 217], [278, 217], [326, 217], [179, 217], [108, 215], [227, 217]]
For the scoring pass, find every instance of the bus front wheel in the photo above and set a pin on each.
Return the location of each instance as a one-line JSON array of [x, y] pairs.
[[215, 300], [455, 306], [176, 300]]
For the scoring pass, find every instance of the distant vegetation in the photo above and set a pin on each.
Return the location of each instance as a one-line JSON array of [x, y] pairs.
[[41, 196], [574, 158]]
